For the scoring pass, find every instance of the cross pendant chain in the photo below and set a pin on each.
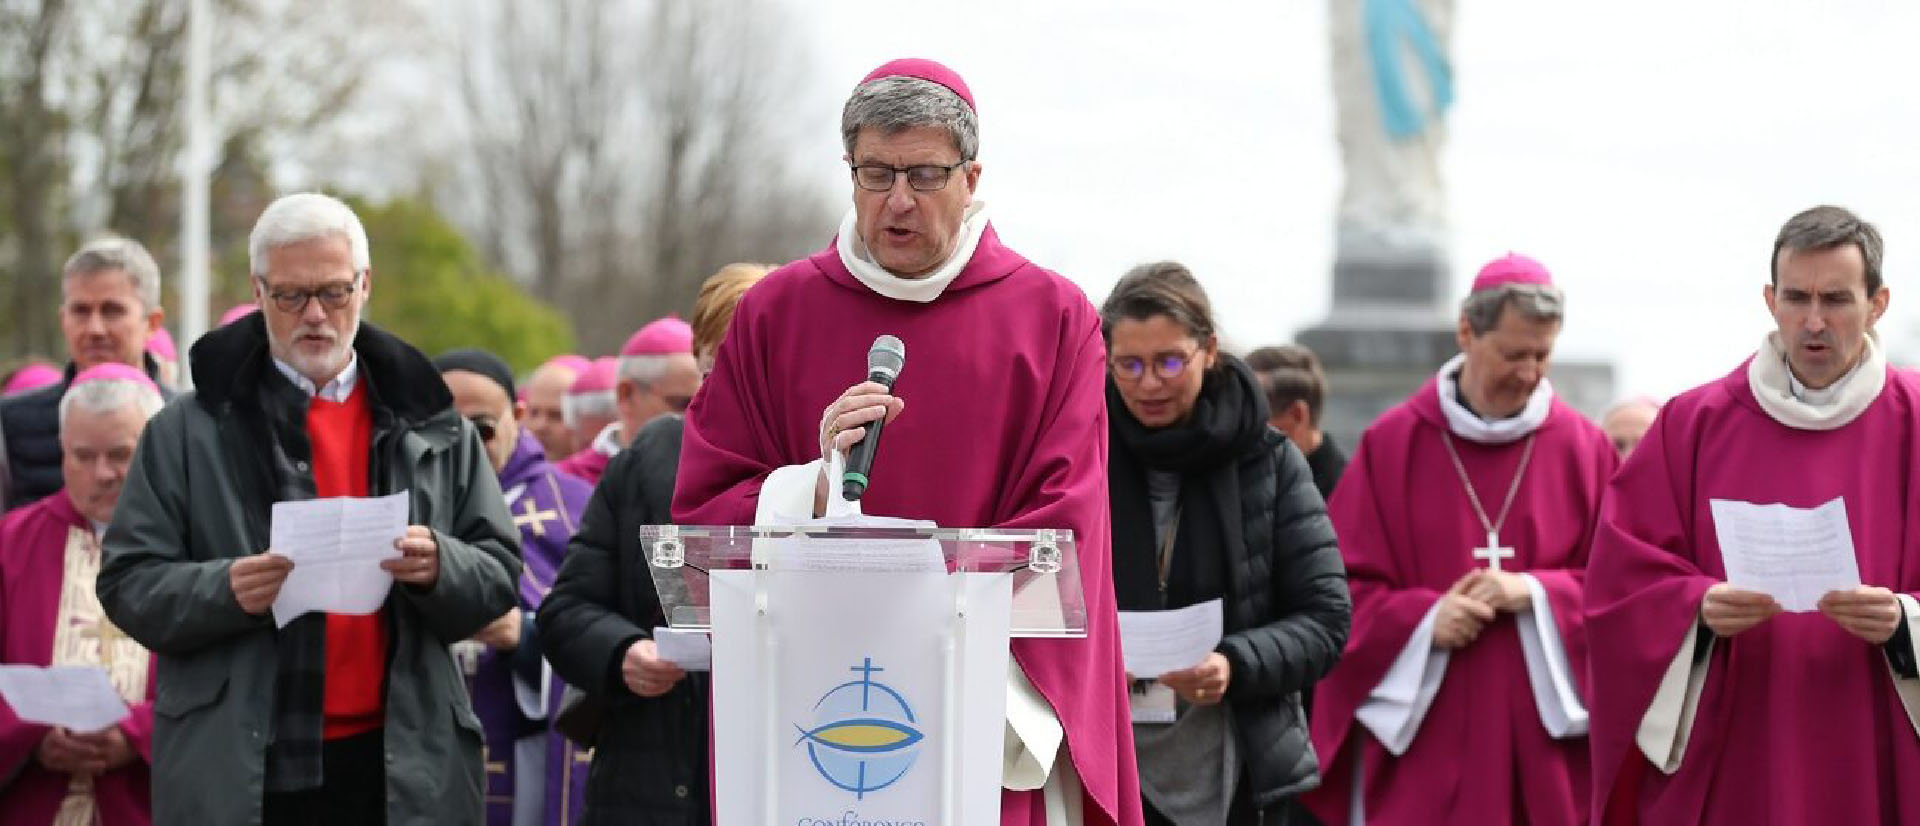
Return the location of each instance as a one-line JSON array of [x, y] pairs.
[[1493, 552]]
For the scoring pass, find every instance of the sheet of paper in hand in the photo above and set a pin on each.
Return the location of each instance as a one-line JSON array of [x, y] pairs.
[[691, 650], [75, 697], [336, 546], [1796, 555], [1156, 642]]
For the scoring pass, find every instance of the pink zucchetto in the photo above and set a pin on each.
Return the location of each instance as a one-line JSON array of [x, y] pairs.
[[574, 364], [927, 70], [1513, 269], [31, 377], [237, 312], [114, 371], [599, 377], [160, 344], [661, 337]]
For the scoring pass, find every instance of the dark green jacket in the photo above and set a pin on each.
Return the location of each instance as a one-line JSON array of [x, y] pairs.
[[196, 498]]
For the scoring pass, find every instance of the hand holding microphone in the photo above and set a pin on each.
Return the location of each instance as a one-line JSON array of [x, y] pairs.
[[852, 424]]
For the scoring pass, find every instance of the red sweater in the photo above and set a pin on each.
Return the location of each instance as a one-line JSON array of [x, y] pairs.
[[342, 436]]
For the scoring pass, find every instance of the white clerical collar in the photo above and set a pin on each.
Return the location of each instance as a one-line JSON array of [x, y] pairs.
[[1791, 403], [1468, 425], [854, 254], [1824, 396], [336, 391], [99, 530], [608, 442]]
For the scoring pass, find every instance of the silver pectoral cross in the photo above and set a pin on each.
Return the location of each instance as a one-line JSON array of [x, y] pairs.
[[1493, 552]]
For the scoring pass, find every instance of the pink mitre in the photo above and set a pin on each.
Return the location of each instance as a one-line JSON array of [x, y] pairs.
[[599, 377], [237, 312], [1513, 269], [32, 377], [661, 337], [114, 371], [927, 70], [160, 344]]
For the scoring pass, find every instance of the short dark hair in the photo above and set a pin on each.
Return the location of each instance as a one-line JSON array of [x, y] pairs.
[[1825, 228], [1162, 288], [1283, 355], [1286, 385]]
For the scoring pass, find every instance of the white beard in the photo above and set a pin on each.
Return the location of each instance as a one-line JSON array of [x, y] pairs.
[[322, 368]]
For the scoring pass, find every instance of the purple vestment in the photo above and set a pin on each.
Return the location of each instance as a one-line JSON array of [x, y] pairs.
[[546, 506]]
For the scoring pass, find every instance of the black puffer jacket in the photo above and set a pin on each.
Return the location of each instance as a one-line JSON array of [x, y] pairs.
[[650, 758], [1286, 604]]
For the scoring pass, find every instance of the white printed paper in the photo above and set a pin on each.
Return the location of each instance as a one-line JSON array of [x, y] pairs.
[[1151, 703], [1156, 642], [336, 546], [1796, 555], [691, 650], [811, 553], [78, 698]]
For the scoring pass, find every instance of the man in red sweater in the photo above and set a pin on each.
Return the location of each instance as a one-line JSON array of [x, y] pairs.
[[333, 718]]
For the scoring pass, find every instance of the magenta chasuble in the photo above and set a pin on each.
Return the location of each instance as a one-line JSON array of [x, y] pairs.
[[1005, 426], [1798, 721], [1407, 531], [49, 616]]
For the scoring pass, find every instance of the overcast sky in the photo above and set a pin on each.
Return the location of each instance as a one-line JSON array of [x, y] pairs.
[[1645, 150]]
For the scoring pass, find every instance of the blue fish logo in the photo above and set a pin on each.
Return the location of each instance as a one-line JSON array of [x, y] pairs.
[[864, 737]]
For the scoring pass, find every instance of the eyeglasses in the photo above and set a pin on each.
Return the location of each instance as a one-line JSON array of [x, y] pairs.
[[677, 404], [1167, 366], [878, 177], [332, 296], [485, 426]]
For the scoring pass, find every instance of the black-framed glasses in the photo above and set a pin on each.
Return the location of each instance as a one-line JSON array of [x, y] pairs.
[[1166, 366], [332, 296], [677, 404], [485, 426], [878, 177]]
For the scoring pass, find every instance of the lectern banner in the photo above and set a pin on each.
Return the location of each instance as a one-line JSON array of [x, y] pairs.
[[858, 697]]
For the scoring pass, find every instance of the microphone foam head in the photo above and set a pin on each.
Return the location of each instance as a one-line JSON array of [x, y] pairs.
[[888, 355]]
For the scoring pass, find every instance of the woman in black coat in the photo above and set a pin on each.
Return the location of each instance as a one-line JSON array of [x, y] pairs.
[[1208, 503], [650, 763]]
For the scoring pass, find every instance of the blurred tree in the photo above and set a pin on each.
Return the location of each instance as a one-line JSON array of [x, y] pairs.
[[620, 151], [434, 289], [91, 95]]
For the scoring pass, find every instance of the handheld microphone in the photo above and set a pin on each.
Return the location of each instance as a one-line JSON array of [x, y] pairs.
[[884, 361]]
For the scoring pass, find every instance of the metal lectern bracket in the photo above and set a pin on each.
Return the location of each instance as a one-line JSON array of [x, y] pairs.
[[1043, 555], [668, 551]]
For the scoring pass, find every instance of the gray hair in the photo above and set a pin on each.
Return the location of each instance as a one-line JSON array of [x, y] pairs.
[[1537, 302], [592, 403], [112, 253], [1825, 228], [304, 216], [109, 395], [644, 370], [896, 104]]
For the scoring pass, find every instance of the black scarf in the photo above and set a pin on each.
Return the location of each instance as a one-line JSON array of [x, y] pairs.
[[1228, 423]]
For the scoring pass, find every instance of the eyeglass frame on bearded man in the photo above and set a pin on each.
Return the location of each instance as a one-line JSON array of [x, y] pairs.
[[327, 298]]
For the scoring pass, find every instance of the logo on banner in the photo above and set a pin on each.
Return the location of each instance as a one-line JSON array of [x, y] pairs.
[[864, 736]]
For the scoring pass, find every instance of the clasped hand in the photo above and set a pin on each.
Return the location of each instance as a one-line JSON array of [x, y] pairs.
[[1472, 602]]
